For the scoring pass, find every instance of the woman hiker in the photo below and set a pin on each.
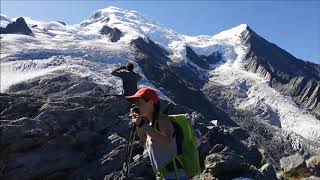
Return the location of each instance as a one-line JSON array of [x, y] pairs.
[[157, 132]]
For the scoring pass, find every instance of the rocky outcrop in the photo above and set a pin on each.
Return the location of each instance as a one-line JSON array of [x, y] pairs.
[[63, 23], [213, 58], [292, 163], [294, 166], [114, 33], [75, 137], [61, 137], [105, 30], [83, 136], [292, 76], [228, 165], [60, 83], [201, 60], [17, 27], [304, 91], [268, 172], [314, 165], [193, 57]]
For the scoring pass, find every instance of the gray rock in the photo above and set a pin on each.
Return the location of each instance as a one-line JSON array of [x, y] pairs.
[[292, 163], [142, 169], [217, 148], [304, 91], [63, 120], [226, 149], [32, 166], [238, 132], [62, 175], [118, 175], [268, 172], [115, 35], [313, 164], [105, 30], [63, 23], [86, 140], [58, 83], [80, 88], [204, 149], [60, 142], [17, 27], [26, 144], [214, 58], [16, 130], [311, 178], [196, 59], [116, 140], [227, 164], [17, 107], [205, 176]]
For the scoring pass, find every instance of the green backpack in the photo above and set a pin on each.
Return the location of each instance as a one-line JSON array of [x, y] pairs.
[[188, 156]]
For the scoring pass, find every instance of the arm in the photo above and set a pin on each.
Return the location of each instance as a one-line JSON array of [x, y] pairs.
[[117, 72]]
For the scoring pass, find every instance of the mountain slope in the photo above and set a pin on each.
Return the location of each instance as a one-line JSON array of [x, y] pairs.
[[292, 76]]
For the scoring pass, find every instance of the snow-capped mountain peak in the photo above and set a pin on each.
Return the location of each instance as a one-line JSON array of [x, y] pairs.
[[233, 32], [131, 23], [113, 11]]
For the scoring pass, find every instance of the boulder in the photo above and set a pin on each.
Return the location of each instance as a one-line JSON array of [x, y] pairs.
[[313, 164], [291, 163], [294, 166], [268, 172], [227, 165]]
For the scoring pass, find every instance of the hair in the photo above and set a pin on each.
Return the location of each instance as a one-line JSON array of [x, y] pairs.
[[130, 67], [156, 111]]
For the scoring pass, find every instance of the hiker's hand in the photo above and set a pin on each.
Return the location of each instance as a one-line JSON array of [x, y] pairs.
[[134, 117], [137, 120]]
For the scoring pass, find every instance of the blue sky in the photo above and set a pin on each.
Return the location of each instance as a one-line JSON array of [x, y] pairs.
[[292, 25]]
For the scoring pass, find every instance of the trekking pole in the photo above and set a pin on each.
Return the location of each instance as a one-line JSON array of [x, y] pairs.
[[107, 95], [131, 149], [126, 164]]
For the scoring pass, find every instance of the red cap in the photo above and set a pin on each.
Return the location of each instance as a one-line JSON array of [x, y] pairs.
[[147, 94]]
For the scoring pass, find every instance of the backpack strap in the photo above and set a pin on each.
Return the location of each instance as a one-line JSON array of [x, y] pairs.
[[177, 131], [176, 162], [179, 136], [156, 124]]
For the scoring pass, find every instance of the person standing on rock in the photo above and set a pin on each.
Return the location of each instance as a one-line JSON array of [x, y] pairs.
[[129, 78], [157, 132]]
